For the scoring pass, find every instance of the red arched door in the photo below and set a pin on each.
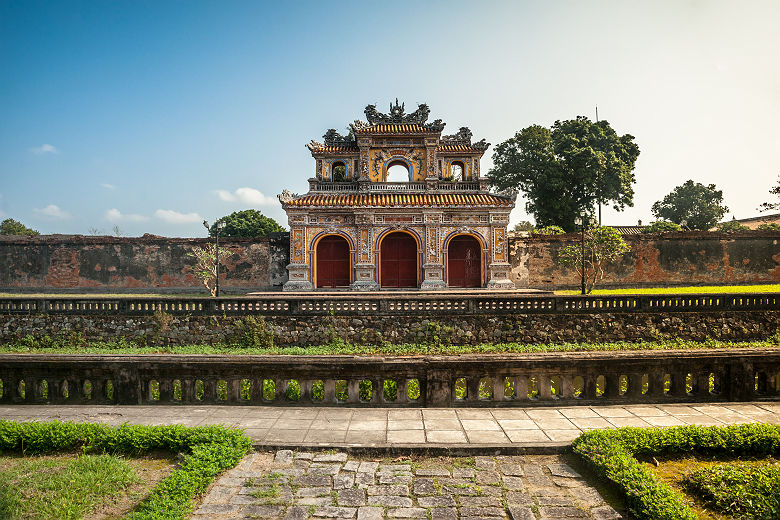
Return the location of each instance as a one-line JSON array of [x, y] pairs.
[[332, 262], [398, 260], [464, 262]]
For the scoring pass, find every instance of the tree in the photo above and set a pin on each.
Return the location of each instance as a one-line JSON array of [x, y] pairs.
[[699, 206], [564, 171], [603, 245], [662, 226], [205, 266], [12, 227], [769, 206], [249, 223], [524, 225]]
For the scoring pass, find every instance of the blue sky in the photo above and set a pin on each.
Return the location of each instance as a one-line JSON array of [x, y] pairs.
[[155, 115]]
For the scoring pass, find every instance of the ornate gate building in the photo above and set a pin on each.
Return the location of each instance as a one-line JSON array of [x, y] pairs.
[[395, 204]]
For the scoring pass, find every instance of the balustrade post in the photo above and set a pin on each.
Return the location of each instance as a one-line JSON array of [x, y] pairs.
[[740, 380], [521, 388], [655, 382], [567, 386], [472, 388], [702, 380], [127, 384], [436, 388], [498, 388], [612, 386], [329, 391], [402, 391], [677, 387], [635, 385], [544, 381], [307, 390]]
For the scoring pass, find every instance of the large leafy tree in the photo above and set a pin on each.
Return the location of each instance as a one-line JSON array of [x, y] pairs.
[[699, 206], [248, 223], [12, 227], [567, 170]]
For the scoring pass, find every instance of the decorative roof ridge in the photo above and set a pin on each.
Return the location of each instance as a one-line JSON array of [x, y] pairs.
[[463, 137]]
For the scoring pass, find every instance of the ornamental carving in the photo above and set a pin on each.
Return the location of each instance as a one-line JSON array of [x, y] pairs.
[[333, 138], [286, 196]]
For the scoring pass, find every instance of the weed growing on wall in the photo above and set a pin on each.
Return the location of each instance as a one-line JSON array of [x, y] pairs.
[[253, 332]]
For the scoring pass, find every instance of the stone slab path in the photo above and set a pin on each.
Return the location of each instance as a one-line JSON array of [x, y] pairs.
[[341, 427], [300, 485]]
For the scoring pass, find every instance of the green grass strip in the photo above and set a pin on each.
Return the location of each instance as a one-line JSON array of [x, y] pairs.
[[741, 490], [611, 454], [65, 346], [208, 450], [693, 289]]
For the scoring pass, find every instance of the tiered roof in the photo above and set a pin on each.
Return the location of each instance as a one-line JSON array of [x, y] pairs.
[[400, 200]]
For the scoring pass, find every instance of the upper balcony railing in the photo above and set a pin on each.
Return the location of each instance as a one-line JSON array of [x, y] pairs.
[[316, 185]]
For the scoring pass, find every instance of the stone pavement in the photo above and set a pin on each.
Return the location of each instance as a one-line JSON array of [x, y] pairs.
[[299, 485], [464, 428]]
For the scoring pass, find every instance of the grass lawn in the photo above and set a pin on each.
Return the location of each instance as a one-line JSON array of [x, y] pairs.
[[697, 289], [674, 470], [343, 348], [70, 486]]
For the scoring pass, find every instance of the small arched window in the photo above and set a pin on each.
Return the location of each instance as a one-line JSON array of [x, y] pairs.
[[338, 172], [398, 171], [457, 171]]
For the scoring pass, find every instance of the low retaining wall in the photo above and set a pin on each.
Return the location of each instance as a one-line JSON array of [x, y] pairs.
[[376, 330], [410, 318], [518, 380]]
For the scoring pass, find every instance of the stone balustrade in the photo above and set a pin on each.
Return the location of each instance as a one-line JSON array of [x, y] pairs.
[[390, 304], [434, 381]]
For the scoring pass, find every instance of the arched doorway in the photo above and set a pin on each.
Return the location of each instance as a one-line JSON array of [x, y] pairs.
[[464, 262], [333, 262], [398, 171], [398, 260]]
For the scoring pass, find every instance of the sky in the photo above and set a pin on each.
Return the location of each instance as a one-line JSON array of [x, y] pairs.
[[153, 116]]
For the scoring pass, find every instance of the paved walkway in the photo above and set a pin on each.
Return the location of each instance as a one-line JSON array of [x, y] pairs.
[[274, 427], [300, 485]]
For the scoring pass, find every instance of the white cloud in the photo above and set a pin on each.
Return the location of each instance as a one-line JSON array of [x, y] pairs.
[[107, 186], [44, 149], [248, 196], [52, 211], [114, 215], [174, 217]]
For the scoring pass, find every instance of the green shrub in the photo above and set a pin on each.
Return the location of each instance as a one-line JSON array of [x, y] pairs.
[[208, 450], [740, 490], [662, 226], [549, 230], [611, 454], [731, 226], [769, 227]]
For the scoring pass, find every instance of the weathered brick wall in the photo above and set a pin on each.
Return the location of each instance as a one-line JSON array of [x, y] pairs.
[[690, 258], [61, 263], [459, 330], [79, 263]]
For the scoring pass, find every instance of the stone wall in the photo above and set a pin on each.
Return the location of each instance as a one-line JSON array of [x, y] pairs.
[[689, 258], [62, 263], [162, 329]]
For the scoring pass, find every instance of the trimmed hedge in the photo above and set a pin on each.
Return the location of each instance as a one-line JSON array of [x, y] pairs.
[[611, 454], [208, 450]]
